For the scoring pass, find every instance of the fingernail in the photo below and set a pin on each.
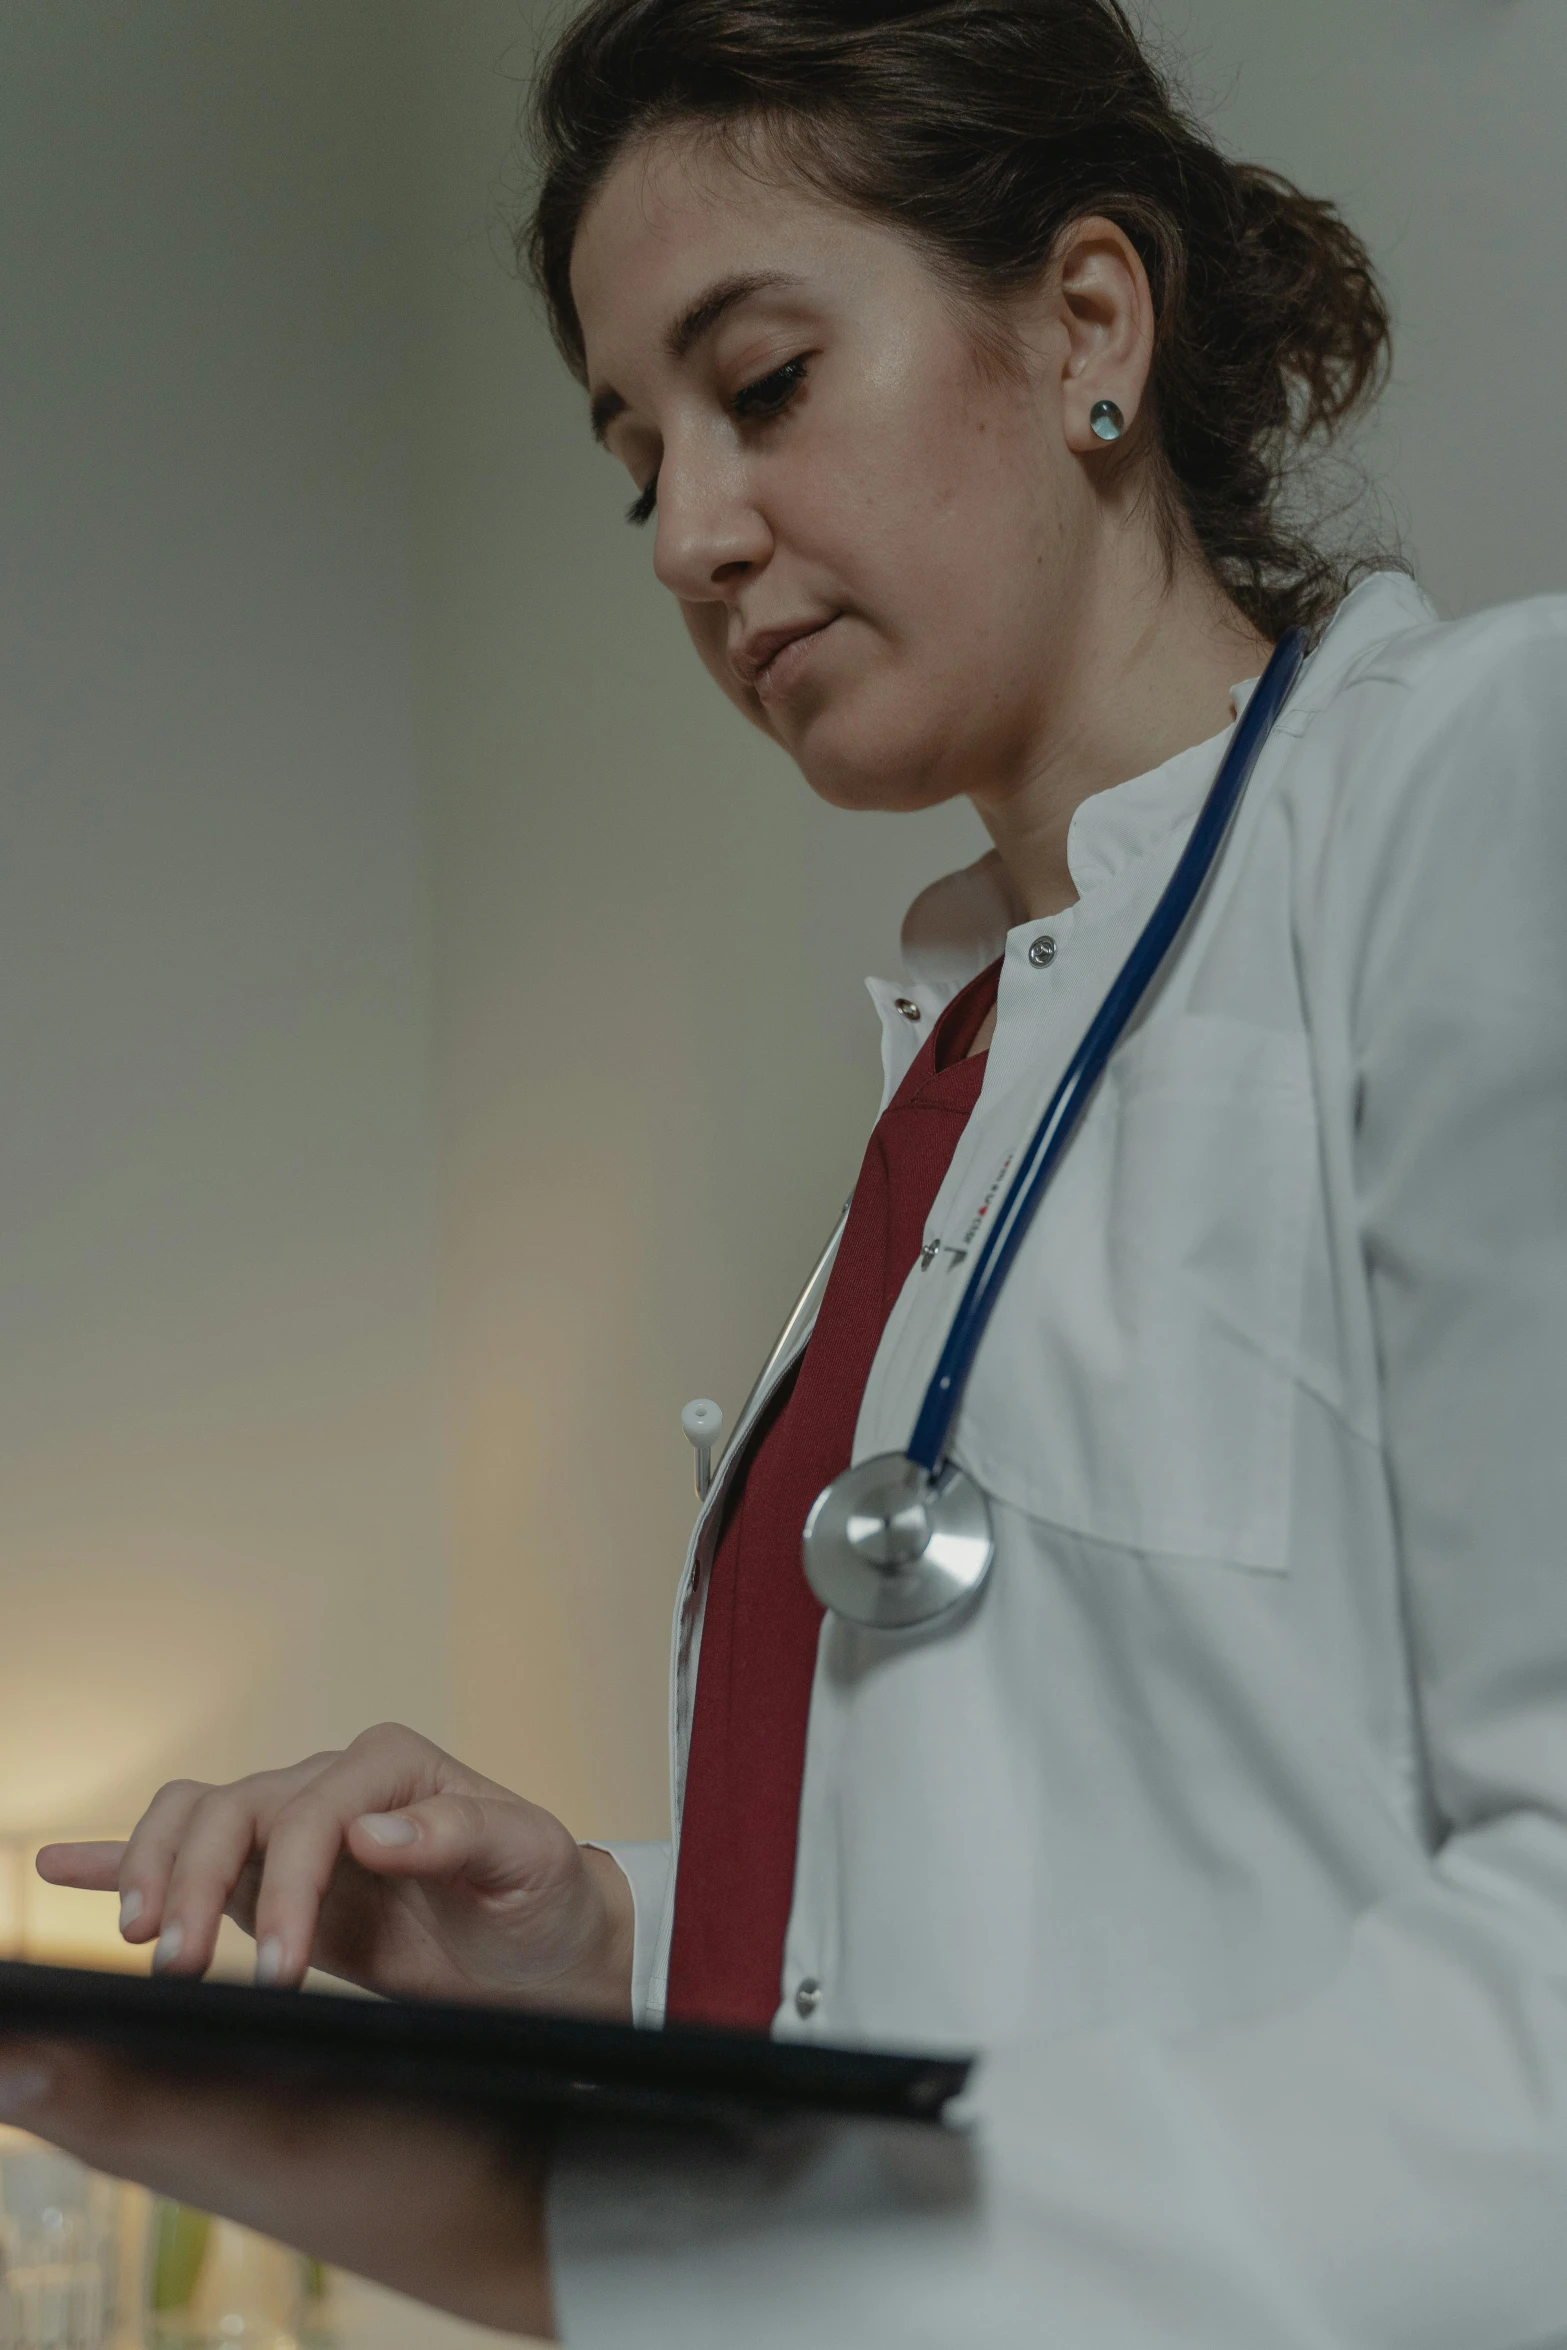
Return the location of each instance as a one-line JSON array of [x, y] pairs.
[[22, 2084], [168, 1948], [388, 1827], [131, 1907], [269, 1960]]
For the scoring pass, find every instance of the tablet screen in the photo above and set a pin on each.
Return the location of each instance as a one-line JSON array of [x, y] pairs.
[[497, 2057]]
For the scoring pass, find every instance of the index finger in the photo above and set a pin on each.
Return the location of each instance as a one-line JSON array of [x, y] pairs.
[[91, 1868]]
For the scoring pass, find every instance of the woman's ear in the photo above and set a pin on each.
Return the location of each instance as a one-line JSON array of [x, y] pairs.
[[1101, 306]]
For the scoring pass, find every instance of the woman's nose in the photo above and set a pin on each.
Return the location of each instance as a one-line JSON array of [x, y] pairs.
[[710, 534]]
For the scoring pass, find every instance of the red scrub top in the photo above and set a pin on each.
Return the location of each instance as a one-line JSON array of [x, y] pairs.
[[735, 1879]]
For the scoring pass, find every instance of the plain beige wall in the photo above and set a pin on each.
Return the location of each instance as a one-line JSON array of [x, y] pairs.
[[430, 1018], [1437, 125], [657, 1065], [221, 1537]]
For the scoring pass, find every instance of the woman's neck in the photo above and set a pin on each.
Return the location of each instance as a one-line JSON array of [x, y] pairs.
[[1142, 679]]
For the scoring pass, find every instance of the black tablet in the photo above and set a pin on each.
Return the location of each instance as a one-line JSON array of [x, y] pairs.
[[499, 2057]]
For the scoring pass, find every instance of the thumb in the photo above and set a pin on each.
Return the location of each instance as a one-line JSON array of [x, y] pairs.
[[500, 1847]]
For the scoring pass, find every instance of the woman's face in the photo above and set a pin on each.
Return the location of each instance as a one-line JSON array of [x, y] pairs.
[[871, 530]]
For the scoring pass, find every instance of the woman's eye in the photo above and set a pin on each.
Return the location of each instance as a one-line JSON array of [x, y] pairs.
[[640, 509], [771, 394]]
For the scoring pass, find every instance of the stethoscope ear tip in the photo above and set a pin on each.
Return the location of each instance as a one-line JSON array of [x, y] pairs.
[[703, 1423]]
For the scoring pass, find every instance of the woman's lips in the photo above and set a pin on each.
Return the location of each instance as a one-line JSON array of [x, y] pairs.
[[779, 676]]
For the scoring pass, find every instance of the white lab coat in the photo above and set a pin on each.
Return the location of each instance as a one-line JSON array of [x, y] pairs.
[[1232, 1822]]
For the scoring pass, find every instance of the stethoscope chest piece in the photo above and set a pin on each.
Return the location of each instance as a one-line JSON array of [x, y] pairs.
[[889, 1546]]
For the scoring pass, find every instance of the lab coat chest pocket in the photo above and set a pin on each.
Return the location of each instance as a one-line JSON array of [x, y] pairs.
[[1137, 1383]]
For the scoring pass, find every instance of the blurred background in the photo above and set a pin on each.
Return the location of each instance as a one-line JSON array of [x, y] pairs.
[[432, 1044]]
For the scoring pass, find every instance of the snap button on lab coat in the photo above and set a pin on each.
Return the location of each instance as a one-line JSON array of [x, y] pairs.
[[809, 1997], [909, 1008], [1042, 951]]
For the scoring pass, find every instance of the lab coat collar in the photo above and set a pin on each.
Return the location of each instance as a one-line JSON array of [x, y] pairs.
[[1112, 828], [960, 925]]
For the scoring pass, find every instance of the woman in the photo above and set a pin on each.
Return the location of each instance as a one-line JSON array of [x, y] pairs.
[[960, 379]]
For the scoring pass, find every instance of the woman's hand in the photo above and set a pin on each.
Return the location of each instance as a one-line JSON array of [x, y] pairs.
[[388, 1864], [451, 2213]]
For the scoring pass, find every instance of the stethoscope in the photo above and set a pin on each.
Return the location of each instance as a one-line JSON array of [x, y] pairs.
[[905, 1538]]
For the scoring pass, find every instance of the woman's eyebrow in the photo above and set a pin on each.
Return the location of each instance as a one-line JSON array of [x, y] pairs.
[[705, 313], [685, 332]]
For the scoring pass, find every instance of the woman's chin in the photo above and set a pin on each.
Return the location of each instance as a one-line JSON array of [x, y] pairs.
[[864, 744], [870, 786]]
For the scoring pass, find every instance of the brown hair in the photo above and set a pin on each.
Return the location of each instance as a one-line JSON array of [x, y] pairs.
[[984, 128]]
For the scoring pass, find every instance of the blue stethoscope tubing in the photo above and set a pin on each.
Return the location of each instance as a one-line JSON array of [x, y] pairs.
[[905, 1538]]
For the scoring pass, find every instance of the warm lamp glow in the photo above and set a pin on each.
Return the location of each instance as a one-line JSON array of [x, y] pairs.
[[61, 1927], [13, 1859], [111, 1673], [54, 1925]]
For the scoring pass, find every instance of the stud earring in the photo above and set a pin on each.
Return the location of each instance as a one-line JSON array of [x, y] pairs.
[[1105, 421]]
